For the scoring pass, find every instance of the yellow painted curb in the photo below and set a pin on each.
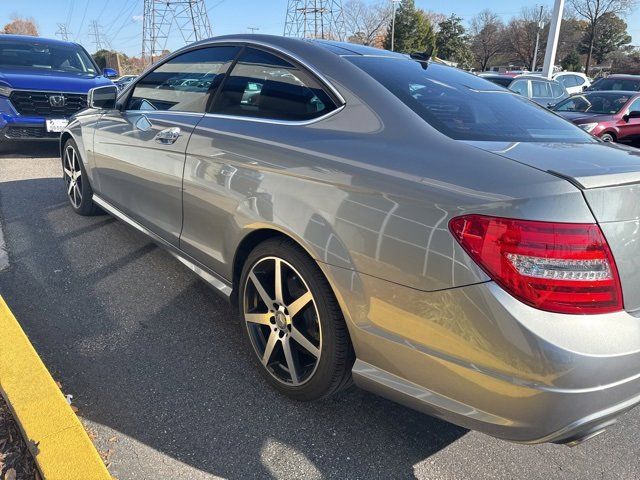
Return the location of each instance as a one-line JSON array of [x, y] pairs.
[[60, 445]]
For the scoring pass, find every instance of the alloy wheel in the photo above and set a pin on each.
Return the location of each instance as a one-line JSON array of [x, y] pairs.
[[73, 176], [282, 319]]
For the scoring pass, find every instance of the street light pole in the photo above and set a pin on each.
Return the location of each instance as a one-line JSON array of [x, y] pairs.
[[393, 23], [552, 40], [535, 52]]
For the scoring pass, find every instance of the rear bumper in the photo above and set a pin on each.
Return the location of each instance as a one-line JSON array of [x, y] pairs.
[[479, 358]]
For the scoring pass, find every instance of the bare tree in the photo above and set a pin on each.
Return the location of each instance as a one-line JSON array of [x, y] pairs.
[[522, 31], [21, 26], [487, 37], [366, 24], [592, 11]]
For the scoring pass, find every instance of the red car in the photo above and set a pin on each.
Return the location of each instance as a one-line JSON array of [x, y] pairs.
[[614, 116]]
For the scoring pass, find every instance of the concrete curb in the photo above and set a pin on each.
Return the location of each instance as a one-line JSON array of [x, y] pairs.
[[60, 445]]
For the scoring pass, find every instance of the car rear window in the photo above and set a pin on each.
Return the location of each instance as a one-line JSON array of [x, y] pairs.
[[466, 107], [626, 84]]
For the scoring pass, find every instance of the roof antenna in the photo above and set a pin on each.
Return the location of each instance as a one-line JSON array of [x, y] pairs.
[[423, 57]]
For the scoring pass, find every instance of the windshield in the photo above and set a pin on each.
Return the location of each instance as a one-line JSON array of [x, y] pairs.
[[628, 84], [41, 56], [600, 102], [466, 107]]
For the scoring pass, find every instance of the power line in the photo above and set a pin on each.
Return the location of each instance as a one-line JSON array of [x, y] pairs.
[[189, 17], [63, 32]]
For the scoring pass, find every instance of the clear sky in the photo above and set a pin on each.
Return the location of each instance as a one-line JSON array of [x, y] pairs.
[[121, 20]]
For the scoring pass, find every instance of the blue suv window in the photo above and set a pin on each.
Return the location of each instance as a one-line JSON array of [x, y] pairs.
[[43, 56]]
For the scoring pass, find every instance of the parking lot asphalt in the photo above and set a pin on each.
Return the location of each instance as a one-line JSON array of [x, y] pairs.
[[162, 377]]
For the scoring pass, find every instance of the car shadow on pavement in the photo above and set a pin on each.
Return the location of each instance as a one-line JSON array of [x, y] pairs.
[[37, 149], [150, 351]]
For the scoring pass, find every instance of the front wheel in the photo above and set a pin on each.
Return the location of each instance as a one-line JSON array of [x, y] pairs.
[[293, 322], [76, 182], [607, 137]]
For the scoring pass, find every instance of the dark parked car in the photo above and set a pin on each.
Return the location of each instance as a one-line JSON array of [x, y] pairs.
[[541, 90], [628, 83], [502, 80], [42, 83], [613, 116]]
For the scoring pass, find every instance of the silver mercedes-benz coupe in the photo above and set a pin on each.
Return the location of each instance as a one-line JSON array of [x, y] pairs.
[[387, 221]]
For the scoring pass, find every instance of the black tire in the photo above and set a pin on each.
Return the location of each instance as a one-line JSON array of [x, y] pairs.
[[80, 194], [608, 137], [333, 367]]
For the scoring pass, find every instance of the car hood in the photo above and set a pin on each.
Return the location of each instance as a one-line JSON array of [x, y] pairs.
[[587, 165], [51, 81], [582, 117]]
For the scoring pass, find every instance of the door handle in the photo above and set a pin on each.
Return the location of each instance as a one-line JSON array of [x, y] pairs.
[[168, 135]]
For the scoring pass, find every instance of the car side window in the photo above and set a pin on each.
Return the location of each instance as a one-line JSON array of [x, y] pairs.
[[635, 106], [540, 89], [568, 80], [579, 80], [263, 85], [556, 90], [184, 82], [519, 86]]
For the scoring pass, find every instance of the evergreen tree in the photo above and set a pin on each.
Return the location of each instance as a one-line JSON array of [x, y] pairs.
[[572, 62], [413, 30], [452, 42]]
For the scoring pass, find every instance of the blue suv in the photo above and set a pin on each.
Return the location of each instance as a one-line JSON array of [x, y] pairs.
[[42, 83]]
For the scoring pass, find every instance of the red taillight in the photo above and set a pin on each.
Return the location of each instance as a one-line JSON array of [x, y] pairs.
[[558, 267]]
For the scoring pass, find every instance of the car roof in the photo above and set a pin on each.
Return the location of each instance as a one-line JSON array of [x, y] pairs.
[[535, 77], [32, 39], [622, 75]]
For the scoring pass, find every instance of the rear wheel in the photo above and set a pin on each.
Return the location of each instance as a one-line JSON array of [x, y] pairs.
[[608, 137], [293, 322], [76, 182]]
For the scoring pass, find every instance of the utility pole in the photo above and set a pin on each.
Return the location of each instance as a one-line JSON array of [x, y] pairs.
[[552, 40], [315, 19], [393, 23], [63, 32], [535, 52], [253, 29], [162, 17], [95, 31]]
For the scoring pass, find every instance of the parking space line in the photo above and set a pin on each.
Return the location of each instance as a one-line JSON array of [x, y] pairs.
[[56, 438]]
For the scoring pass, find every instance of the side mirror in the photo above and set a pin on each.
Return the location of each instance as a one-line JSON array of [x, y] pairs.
[[102, 97], [630, 115], [110, 73]]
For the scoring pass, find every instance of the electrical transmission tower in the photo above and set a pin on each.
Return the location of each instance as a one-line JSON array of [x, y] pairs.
[[99, 40], [161, 17], [315, 19], [63, 32]]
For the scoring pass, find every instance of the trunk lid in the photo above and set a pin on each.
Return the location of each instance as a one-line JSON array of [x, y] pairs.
[[609, 177]]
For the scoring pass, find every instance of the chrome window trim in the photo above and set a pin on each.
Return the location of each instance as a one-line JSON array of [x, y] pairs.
[[244, 43], [275, 121]]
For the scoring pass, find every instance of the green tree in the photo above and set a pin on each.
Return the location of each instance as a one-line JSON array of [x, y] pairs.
[[572, 62], [610, 36], [452, 42], [101, 57], [413, 30], [593, 11]]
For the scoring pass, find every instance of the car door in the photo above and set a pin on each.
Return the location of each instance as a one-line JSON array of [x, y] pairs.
[[140, 147], [630, 130], [264, 104]]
